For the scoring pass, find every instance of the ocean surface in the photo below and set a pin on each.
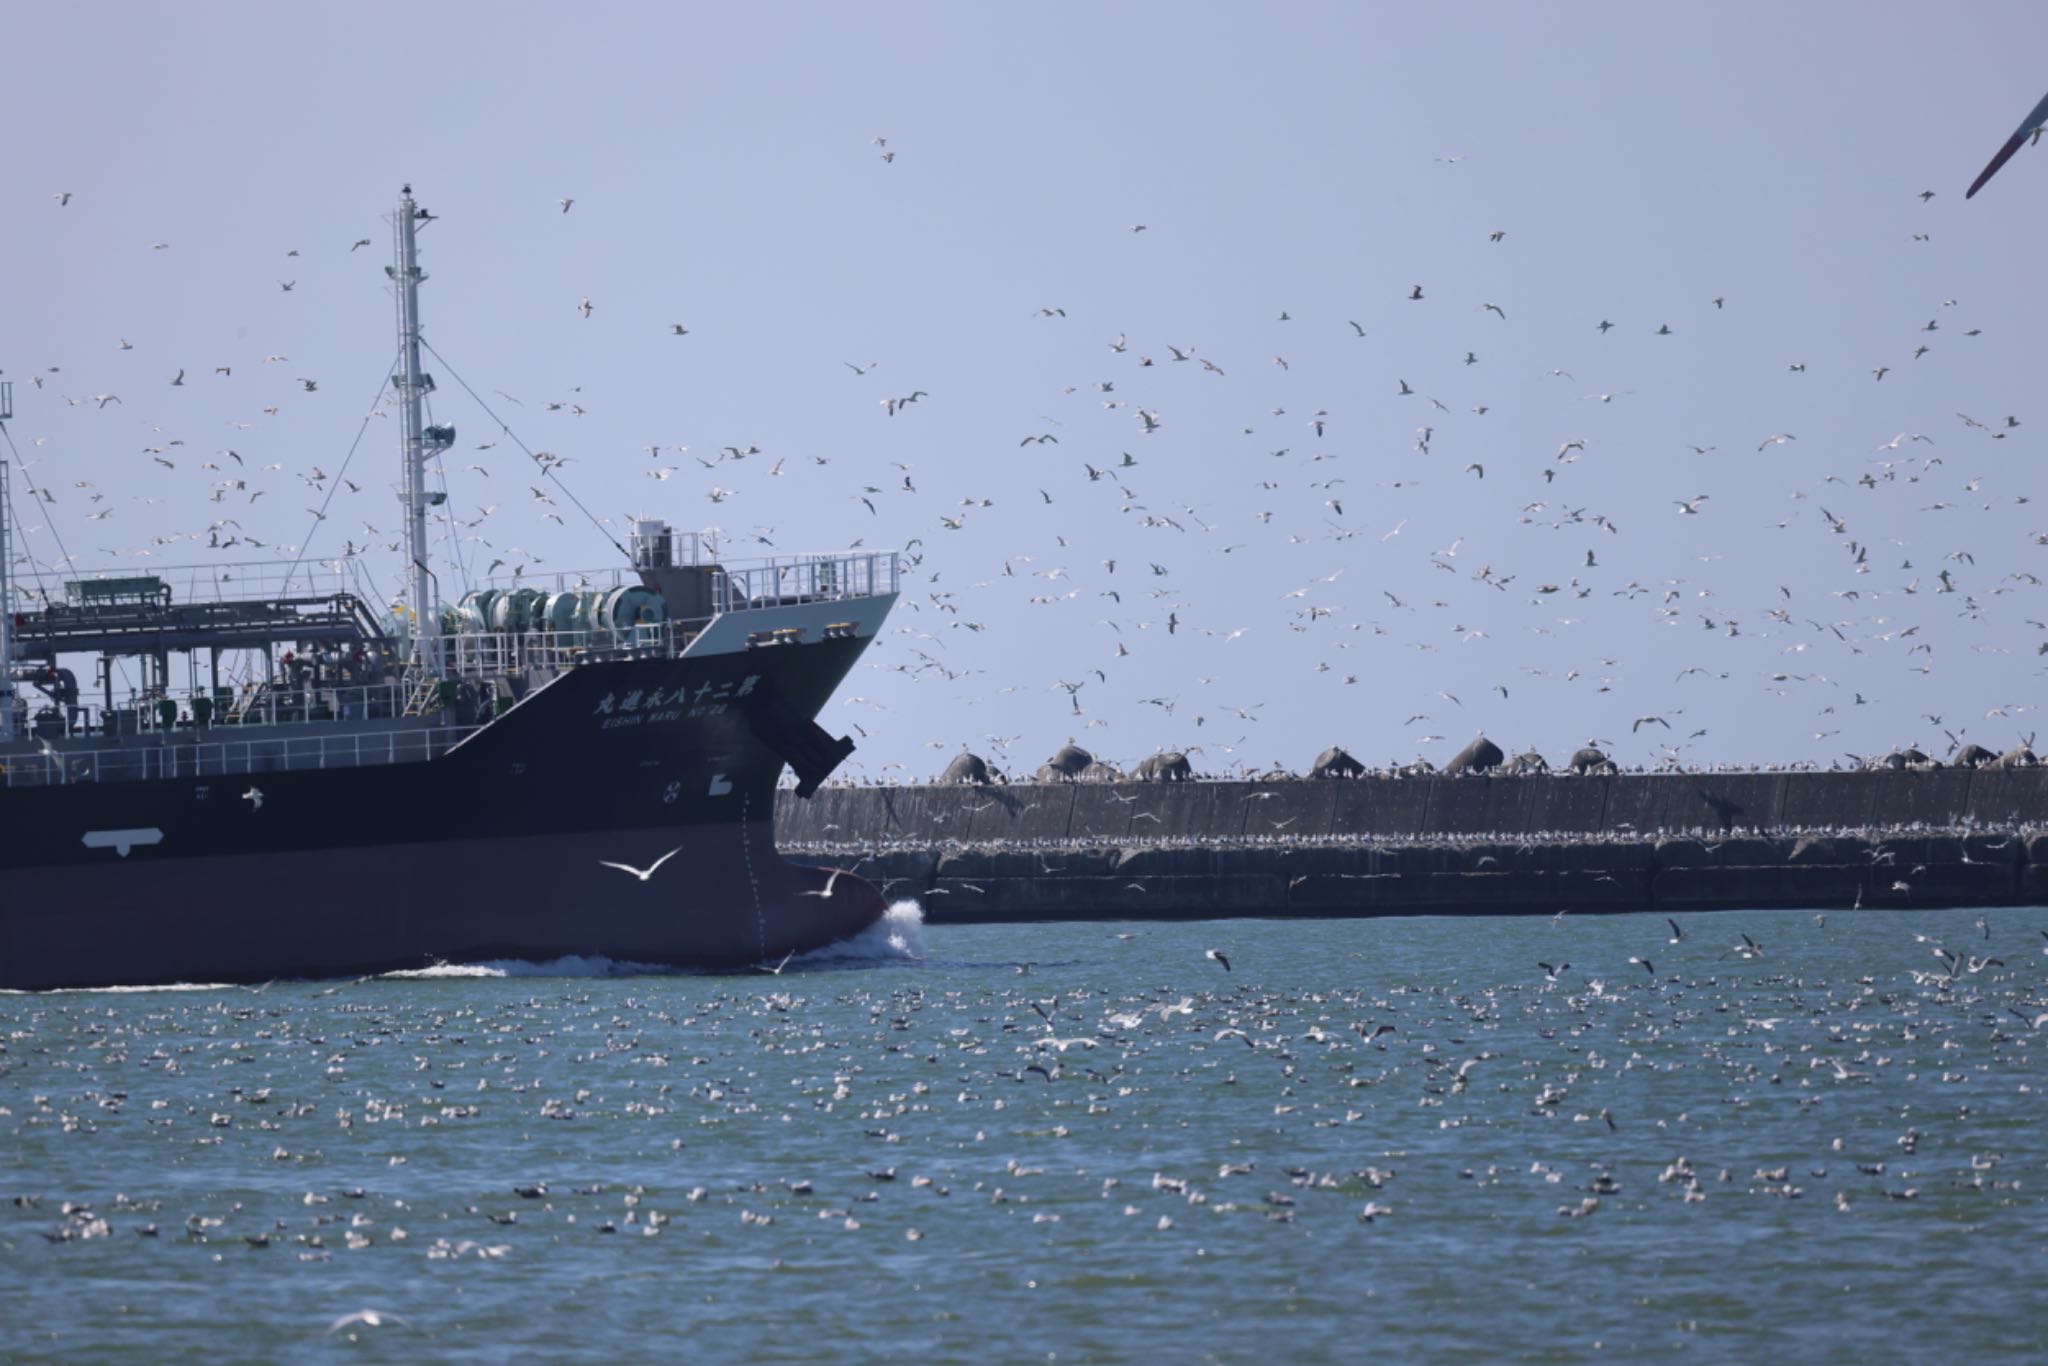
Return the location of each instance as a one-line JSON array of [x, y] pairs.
[[1787, 1136]]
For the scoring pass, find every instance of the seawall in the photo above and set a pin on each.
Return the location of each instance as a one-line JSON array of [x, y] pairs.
[[1490, 844]]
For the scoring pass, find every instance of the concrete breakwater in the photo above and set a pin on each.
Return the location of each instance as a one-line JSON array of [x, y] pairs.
[[1477, 844]]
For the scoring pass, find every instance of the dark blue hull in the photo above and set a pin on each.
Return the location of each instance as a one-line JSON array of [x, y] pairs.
[[496, 848]]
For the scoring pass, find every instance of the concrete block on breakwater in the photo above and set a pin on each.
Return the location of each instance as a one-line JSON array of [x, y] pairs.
[[1483, 844]]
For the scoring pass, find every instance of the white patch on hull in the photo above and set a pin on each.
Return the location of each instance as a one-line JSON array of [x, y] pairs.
[[121, 841]]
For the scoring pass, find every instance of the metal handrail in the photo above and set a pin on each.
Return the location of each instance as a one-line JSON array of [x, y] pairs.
[[832, 574], [226, 758], [805, 578], [275, 704], [235, 581], [484, 654]]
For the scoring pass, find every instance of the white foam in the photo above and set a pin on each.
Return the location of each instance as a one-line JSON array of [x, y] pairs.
[[572, 966], [898, 937], [126, 991]]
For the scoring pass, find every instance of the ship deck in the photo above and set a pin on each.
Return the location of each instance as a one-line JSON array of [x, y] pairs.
[[322, 684]]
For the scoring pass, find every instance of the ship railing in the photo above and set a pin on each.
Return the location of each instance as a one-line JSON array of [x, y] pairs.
[[230, 758], [486, 654], [805, 578], [755, 581], [199, 583], [253, 704], [284, 704]]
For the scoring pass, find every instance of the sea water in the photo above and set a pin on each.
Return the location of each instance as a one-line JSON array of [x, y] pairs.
[[1783, 1136]]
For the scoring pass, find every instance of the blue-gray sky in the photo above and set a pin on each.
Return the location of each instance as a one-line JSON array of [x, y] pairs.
[[1748, 176]]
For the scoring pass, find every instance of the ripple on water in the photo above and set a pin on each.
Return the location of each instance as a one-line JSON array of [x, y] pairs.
[[905, 1146]]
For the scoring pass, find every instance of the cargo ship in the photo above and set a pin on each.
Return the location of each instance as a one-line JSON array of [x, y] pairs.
[[267, 773]]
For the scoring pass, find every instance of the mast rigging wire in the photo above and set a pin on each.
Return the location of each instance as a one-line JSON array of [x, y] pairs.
[[35, 565], [320, 515], [546, 469]]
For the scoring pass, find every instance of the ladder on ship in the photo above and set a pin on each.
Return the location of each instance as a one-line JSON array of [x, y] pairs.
[[423, 692], [248, 703]]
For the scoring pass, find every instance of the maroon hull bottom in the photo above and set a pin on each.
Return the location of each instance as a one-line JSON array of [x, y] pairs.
[[720, 896]]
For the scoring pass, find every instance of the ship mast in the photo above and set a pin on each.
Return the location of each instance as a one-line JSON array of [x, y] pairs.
[[417, 443], [7, 698]]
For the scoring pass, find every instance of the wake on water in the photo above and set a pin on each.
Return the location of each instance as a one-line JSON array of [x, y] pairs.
[[575, 965], [898, 937], [120, 991]]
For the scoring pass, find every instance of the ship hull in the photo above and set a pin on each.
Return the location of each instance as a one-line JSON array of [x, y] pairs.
[[722, 899], [502, 847]]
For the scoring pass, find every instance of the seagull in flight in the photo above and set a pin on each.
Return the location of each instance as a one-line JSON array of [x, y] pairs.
[[652, 868], [828, 882], [1217, 955], [369, 1318]]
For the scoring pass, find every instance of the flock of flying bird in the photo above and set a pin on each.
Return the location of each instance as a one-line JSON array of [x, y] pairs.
[[990, 1109], [1144, 590]]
